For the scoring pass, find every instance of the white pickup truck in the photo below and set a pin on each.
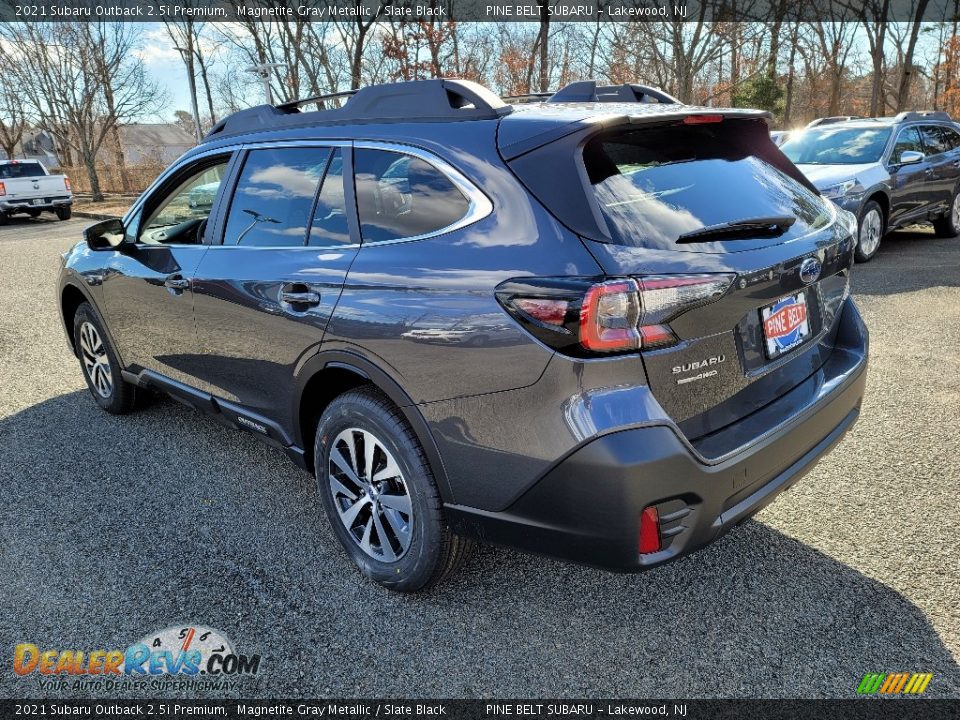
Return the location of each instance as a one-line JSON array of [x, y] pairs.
[[27, 187]]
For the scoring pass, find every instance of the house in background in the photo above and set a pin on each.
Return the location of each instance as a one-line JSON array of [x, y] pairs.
[[151, 143], [38, 145], [142, 143]]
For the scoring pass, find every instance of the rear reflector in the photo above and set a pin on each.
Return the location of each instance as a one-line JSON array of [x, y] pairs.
[[657, 336], [649, 531]]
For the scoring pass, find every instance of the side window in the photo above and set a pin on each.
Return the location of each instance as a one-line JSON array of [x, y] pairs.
[[329, 226], [952, 137], [401, 196], [934, 141], [178, 217], [908, 139], [274, 195]]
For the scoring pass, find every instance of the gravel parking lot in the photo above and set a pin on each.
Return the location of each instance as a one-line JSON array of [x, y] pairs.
[[116, 527]]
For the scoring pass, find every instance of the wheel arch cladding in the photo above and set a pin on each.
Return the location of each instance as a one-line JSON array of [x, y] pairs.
[[881, 199], [71, 298], [329, 375]]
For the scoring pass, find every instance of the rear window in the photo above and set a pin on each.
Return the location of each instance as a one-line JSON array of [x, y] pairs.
[[658, 184], [21, 170]]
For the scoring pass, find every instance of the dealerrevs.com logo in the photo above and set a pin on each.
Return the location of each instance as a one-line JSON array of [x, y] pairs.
[[191, 657]]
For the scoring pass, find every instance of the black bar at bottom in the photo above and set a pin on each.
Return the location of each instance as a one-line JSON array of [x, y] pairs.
[[865, 708]]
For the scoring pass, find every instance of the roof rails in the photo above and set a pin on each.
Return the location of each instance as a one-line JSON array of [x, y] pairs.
[[528, 97], [589, 91], [295, 105], [833, 120], [923, 115], [414, 100]]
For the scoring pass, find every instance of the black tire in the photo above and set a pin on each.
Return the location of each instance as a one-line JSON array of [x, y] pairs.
[[948, 226], [64, 213], [433, 551], [4, 219], [865, 232], [121, 397], [33, 213]]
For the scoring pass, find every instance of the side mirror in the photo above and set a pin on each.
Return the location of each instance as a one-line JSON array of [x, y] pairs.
[[105, 235], [911, 157]]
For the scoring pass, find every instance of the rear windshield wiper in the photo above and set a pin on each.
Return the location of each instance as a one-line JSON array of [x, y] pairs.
[[740, 229]]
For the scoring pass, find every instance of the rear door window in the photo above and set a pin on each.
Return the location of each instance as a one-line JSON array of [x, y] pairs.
[[329, 226], [934, 139], [952, 137], [274, 197], [655, 185], [402, 196]]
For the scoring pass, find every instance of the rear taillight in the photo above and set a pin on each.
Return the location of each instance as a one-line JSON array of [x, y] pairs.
[[610, 317], [649, 540], [665, 295], [544, 310], [3, 189], [582, 317], [66, 183]]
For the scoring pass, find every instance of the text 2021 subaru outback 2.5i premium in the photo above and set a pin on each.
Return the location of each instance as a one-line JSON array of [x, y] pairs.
[[603, 331]]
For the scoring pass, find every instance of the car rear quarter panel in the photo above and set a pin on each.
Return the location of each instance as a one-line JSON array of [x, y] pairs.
[[425, 311]]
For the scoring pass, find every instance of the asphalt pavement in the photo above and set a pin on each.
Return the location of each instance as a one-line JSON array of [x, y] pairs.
[[117, 527]]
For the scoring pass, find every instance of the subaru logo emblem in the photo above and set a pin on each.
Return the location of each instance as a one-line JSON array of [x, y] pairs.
[[810, 270]]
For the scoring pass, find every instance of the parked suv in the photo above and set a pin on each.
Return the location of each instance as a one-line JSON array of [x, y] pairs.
[[598, 327], [889, 172]]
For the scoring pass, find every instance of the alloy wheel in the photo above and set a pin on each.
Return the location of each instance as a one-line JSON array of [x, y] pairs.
[[96, 363], [955, 212], [870, 228], [370, 494]]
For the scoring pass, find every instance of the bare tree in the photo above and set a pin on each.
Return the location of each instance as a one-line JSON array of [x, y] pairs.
[[188, 38], [835, 42], [874, 16], [906, 67], [81, 80], [354, 33], [13, 119]]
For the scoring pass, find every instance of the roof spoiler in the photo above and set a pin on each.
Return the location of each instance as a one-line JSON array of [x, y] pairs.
[[436, 99]]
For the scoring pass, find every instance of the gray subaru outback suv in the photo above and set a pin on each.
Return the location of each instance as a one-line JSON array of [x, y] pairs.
[[889, 172]]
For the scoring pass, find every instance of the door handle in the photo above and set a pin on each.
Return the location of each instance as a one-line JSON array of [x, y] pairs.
[[176, 282], [299, 294]]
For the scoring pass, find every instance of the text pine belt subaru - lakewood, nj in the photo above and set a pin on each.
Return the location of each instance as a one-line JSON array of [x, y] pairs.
[[603, 326]]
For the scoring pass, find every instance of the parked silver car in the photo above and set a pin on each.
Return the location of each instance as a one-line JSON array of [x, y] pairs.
[[889, 172]]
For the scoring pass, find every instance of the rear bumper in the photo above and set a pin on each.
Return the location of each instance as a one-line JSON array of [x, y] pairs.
[[52, 203], [587, 507]]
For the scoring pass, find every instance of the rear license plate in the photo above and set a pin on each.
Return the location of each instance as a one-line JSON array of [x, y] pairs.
[[785, 324], [38, 201]]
